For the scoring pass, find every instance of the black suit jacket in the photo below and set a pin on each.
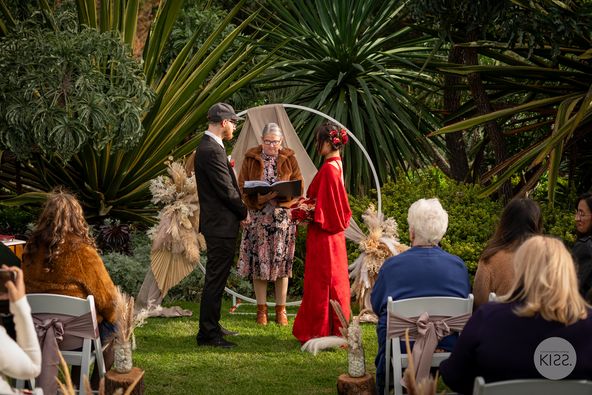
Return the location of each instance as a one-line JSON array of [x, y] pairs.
[[221, 206]]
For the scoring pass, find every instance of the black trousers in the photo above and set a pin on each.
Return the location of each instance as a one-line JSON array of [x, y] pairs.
[[220, 254]]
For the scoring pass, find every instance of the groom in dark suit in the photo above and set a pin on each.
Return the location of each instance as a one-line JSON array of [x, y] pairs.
[[220, 214]]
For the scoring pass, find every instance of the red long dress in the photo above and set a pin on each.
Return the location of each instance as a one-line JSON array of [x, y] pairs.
[[326, 266]]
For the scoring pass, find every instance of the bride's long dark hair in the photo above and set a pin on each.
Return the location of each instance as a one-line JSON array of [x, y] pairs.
[[331, 133]]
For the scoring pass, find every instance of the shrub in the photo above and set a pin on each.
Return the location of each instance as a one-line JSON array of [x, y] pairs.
[[471, 218], [16, 221], [559, 222], [472, 221], [128, 271]]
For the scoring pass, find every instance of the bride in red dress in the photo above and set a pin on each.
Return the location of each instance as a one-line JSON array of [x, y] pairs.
[[326, 266]]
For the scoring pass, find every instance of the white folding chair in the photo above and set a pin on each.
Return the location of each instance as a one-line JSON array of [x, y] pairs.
[[414, 307], [67, 306], [532, 386]]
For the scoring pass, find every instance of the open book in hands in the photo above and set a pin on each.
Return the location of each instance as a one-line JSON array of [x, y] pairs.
[[286, 190]]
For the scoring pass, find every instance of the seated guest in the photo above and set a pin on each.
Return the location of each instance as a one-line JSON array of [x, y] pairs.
[[500, 340], [423, 270], [582, 249], [520, 220], [20, 359], [8, 258], [60, 258]]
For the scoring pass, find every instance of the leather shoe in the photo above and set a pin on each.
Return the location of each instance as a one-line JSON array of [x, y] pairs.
[[226, 332], [216, 342]]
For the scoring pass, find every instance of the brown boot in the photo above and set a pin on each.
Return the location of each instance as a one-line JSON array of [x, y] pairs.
[[281, 317], [262, 314]]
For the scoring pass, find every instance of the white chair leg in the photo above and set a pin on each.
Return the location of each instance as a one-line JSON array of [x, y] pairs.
[[85, 365], [397, 367], [99, 361], [387, 356]]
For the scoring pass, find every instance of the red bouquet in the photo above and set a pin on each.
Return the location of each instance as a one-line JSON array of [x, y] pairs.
[[302, 210]]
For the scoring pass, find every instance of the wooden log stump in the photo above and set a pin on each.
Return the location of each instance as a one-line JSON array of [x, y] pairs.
[[114, 380], [347, 385]]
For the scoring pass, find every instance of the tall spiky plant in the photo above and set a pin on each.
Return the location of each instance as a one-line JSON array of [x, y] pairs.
[[355, 61], [112, 182]]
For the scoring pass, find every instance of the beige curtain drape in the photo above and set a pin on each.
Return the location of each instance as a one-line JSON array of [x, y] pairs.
[[250, 136]]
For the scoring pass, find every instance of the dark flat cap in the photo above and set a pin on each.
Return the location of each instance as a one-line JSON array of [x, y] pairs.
[[221, 111]]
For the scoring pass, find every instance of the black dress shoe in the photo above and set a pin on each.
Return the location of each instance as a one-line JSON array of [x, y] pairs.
[[226, 332], [216, 342]]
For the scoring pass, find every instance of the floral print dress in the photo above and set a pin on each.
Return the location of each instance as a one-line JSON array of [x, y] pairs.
[[268, 242]]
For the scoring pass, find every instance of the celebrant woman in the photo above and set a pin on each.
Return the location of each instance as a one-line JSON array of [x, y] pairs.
[[326, 265], [269, 238]]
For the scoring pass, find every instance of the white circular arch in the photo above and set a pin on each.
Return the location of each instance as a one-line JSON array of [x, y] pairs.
[[351, 135], [235, 295]]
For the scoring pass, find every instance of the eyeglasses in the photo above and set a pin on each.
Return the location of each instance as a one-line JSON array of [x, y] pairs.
[[273, 143], [232, 121], [581, 214]]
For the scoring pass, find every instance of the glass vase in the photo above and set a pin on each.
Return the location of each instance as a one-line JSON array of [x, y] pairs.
[[356, 364], [122, 362]]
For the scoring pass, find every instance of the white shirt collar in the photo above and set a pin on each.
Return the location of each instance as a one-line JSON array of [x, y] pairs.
[[216, 138]]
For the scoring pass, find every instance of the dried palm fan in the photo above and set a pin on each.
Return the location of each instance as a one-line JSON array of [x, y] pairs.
[[176, 242]]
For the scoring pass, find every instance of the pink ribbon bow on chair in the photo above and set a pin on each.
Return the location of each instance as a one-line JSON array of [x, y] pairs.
[[51, 331], [428, 331]]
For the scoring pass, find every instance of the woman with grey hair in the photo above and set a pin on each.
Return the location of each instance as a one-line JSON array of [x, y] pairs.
[[423, 270], [269, 239]]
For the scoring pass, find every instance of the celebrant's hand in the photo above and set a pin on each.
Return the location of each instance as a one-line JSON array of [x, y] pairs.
[[262, 199], [245, 222]]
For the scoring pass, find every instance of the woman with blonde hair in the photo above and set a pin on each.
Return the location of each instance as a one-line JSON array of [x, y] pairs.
[[500, 340]]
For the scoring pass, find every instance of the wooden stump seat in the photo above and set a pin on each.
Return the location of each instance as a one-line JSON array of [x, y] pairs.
[[364, 385], [114, 380]]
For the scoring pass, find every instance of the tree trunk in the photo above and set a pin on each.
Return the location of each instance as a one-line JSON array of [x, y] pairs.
[[457, 155], [483, 105]]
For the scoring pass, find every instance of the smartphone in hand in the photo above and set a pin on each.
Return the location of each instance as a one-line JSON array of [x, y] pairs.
[[6, 275]]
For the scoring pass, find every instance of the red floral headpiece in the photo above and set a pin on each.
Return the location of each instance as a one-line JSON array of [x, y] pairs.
[[338, 137]]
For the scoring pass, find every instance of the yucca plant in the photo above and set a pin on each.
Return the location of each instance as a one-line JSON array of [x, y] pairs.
[[113, 182], [556, 101], [543, 86], [355, 61]]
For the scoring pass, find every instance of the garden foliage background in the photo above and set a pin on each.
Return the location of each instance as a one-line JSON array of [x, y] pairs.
[[471, 101], [472, 220]]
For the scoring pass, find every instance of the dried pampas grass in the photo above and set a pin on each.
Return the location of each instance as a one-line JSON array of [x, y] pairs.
[[67, 388], [127, 321]]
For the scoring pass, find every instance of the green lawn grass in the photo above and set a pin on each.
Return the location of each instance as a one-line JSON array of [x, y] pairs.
[[267, 360]]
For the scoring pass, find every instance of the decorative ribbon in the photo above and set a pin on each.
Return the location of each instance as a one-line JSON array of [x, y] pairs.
[[57, 329], [427, 331]]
